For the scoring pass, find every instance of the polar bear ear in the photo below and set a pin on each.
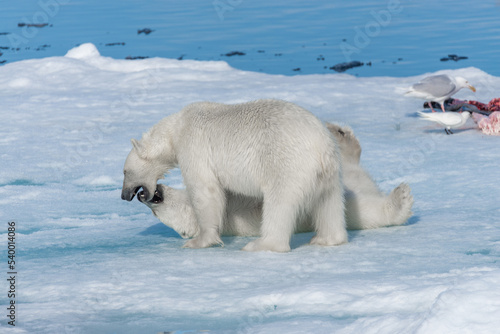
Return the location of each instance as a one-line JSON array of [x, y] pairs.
[[137, 146], [347, 130]]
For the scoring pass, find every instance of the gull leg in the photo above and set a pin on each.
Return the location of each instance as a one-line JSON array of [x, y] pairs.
[[430, 105], [442, 106]]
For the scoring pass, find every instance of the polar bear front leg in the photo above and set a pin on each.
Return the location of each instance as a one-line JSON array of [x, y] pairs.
[[208, 204]]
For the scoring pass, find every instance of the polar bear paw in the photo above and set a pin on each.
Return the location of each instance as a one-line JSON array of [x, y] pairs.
[[262, 244], [400, 203], [339, 239], [199, 242]]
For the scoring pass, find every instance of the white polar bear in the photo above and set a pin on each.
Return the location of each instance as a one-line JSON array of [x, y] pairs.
[[366, 206], [272, 150]]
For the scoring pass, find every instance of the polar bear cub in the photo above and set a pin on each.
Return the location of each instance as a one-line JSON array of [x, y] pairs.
[[271, 150], [366, 206]]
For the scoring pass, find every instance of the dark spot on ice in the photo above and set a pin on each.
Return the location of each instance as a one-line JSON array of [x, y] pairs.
[[342, 67], [233, 53], [42, 47], [34, 25], [145, 31], [136, 57], [454, 58]]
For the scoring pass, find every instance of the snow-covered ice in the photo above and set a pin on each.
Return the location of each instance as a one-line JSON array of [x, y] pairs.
[[89, 262]]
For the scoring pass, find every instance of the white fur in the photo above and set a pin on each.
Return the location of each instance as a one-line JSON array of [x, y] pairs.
[[366, 206], [274, 151]]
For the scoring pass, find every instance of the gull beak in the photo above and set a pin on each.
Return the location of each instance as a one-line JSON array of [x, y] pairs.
[[472, 88]]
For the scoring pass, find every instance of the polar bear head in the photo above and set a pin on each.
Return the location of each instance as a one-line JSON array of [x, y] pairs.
[[173, 208], [142, 170], [150, 158]]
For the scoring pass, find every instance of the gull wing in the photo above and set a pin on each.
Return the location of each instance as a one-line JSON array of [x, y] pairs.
[[446, 118], [436, 85]]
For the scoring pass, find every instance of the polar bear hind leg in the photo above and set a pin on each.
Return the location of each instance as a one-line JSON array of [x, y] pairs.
[[399, 204], [328, 218], [278, 223], [280, 214], [366, 211]]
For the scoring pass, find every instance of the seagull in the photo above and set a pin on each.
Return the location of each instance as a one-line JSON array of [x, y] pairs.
[[438, 88], [450, 120]]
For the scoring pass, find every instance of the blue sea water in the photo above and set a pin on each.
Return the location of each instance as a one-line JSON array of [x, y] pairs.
[[397, 37]]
